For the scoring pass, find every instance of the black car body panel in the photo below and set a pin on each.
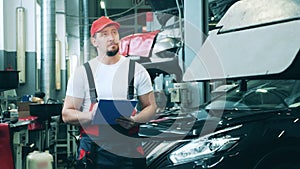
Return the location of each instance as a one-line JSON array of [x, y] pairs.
[[260, 135]]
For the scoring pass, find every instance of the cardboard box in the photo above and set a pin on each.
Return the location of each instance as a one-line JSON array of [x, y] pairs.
[[23, 106], [24, 114], [23, 109]]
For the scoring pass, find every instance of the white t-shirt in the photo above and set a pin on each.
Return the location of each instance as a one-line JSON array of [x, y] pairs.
[[111, 81]]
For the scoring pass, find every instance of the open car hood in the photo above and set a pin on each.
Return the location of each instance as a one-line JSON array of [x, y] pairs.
[[254, 39]]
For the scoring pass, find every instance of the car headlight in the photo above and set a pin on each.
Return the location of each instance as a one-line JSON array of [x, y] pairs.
[[203, 147]]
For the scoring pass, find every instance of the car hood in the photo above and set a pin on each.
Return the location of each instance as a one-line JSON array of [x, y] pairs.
[[230, 118], [167, 127], [251, 41]]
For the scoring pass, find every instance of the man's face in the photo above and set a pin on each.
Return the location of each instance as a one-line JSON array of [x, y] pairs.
[[107, 40]]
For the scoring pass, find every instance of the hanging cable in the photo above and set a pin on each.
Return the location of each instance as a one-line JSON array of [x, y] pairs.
[[118, 14]]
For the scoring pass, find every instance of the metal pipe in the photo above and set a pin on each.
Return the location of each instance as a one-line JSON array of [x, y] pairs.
[[86, 34], [181, 33], [195, 25], [48, 48]]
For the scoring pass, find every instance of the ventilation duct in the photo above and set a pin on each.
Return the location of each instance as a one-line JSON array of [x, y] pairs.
[[48, 47], [86, 33]]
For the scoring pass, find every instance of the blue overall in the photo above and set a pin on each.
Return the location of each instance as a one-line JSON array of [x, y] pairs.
[[112, 154]]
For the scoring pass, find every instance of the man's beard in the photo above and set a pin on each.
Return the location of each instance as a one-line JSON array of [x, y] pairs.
[[112, 52]]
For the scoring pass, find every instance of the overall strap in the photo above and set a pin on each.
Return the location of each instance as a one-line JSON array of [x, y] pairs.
[[93, 92], [130, 91]]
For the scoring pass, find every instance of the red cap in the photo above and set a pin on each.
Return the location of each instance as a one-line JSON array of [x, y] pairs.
[[101, 23]]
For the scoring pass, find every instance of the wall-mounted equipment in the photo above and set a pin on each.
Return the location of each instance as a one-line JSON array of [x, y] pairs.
[[21, 60]]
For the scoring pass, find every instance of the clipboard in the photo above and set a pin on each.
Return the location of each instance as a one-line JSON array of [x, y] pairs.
[[109, 110]]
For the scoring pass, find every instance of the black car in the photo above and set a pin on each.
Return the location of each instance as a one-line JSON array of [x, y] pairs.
[[255, 128], [254, 125]]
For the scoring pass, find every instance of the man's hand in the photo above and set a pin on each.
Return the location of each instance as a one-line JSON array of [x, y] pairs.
[[126, 122]]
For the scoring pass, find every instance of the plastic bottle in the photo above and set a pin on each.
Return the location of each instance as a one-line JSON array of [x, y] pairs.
[[39, 160]]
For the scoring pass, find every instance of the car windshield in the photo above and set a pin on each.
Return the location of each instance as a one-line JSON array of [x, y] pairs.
[[260, 95]]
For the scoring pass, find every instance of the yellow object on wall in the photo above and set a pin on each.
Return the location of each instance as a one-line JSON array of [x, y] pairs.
[[21, 60]]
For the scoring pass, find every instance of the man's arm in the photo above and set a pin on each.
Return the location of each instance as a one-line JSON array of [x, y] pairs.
[[71, 112], [148, 108]]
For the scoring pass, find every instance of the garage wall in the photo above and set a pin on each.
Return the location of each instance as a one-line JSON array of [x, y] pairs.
[[10, 24], [1, 35], [1, 27], [8, 41]]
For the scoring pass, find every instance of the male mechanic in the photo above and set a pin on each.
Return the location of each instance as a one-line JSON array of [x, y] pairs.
[[110, 74]]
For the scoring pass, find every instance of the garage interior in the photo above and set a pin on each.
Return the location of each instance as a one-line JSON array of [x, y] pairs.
[[195, 53]]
